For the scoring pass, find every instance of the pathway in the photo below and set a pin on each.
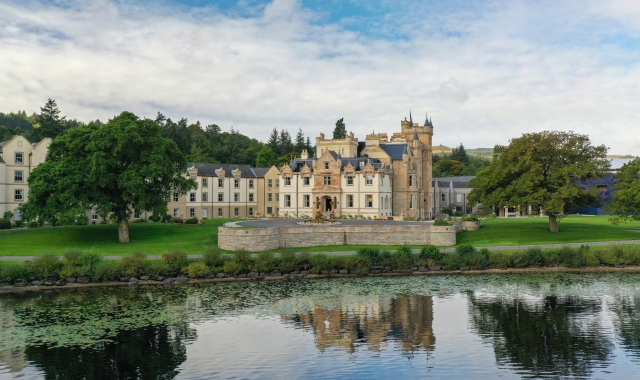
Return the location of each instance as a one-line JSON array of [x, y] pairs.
[[345, 253]]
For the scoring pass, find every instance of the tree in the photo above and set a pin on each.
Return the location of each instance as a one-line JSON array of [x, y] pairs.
[[274, 141], [122, 166], [299, 144], [545, 170], [448, 168], [265, 157], [460, 154], [49, 123], [286, 145], [340, 131], [625, 205]]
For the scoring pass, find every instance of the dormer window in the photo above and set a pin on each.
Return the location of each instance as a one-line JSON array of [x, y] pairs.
[[326, 166], [350, 180], [369, 180], [287, 181]]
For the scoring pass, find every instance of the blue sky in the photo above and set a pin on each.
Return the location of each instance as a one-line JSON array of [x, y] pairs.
[[486, 71]]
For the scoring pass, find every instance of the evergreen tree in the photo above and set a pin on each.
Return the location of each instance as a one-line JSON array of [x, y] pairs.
[[340, 131], [460, 154], [300, 145], [49, 123], [309, 147], [286, 146], [274, 141]]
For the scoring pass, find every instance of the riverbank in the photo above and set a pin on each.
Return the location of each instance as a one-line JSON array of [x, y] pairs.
[[298, 277]]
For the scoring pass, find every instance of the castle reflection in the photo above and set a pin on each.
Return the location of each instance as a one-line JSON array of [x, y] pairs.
[[404, 322]]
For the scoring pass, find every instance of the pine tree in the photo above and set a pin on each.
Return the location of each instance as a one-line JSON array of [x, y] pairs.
[[286, 146], [340, 131], [309, 147], [49, 122], [274, 141], [460, 154], [300, 145]]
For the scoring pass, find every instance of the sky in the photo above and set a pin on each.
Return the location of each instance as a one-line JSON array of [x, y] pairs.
[[485, 71]]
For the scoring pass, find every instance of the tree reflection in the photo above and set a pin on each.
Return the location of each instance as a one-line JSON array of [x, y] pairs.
[[152, 352], [627, 323], [550, 337]]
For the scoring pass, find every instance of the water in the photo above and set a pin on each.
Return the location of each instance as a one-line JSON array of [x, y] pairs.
[[491, 326]]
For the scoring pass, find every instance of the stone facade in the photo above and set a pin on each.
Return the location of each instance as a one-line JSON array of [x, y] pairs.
[[262, 239]]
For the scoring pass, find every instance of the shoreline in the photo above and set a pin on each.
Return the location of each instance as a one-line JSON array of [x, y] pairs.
[[76, 286]]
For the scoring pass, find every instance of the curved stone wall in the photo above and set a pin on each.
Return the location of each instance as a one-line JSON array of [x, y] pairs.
[[262, 239]]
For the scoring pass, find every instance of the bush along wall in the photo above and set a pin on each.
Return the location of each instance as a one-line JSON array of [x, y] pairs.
[[76, 266]]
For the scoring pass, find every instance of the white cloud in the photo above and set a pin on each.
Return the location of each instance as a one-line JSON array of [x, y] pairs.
[[484, 77]]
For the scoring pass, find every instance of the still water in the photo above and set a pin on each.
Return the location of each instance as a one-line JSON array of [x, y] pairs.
[[490, 326]]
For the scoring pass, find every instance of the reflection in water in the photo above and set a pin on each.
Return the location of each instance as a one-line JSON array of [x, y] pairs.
[[627, 322], [549, 336], [406, 320]]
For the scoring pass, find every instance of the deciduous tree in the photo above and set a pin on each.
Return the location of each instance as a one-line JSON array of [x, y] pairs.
[[265, 157], [625, 205]]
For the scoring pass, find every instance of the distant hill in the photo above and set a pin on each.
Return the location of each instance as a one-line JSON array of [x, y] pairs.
[[620, 156], [484, 152]]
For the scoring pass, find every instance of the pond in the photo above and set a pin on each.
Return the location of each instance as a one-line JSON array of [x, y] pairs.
[[484, 326]]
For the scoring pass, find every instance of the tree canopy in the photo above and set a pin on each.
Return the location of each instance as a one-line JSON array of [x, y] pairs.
[[448, 168], [625, 205], [340, 131], [545, 170], [266, 158], [460, 154], [117, 168]]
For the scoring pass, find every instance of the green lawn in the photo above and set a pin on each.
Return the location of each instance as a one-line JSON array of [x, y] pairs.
[[572, 229], [148, 237]]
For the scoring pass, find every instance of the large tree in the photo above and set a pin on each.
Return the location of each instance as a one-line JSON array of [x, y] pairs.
[[265, 157], [460, 154], [340, 131], [545, 170], [48, 122], [121, 166], [625, 205]]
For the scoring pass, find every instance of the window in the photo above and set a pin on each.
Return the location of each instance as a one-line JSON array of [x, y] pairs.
[[236, 197], [176, 212], [19, 158], [176, 197], [17, 195], [192, 212], [459, 198], [443, 197], [326, 166], [192, 197], [269, 210], [350, 180], [287, 200], [306, 201], [220, 183], [236, 212], [369, 200], [136, 214], [269, 197], [277, 210], [94, 214], [17, 215], [250, 197], [269, 183], [369, 180], [205, 197], [410, 181], [18, 176], [327, 180], [220, 212], [220, 197], [349, 200], [287, 181], [205, 183], [410, 201], [277, 197], [250, 211], [236, 183], [277, 183], [305, 181], [205, 213], [251, 184]]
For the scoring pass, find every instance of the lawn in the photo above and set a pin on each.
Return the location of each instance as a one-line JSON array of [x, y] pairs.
[[572, 229], [150, 238]]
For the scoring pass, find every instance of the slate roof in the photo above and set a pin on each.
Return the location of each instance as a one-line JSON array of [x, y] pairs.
[[394, 151], [355, 162], [461, 182], [3, 144], [260, 172], [209, 170]]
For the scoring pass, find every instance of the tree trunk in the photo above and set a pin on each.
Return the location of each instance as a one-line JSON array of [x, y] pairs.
[[553, 223], [123, 230]]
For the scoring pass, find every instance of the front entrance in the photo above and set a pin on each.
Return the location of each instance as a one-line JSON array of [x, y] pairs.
[[327, 204]]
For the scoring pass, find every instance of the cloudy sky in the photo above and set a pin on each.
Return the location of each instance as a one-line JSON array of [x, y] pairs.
[[485, 71]]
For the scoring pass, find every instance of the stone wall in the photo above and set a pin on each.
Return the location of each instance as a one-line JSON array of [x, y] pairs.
[[262, 239]]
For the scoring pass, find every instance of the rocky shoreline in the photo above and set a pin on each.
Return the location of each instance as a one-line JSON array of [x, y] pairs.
[[35, 286]]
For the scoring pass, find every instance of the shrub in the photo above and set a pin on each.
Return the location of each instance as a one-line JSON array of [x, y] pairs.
[[288, 261], [133, 264], [500, 260], [72, 257], [33, 224], [304, 260], [402, 258], [265, 262], [452, 260], [197, 270], [5, 224], [430, 252], [176, 220], [19, 223], [357, 264], [155, 218], [176, 260], [470, 218], [609, 257], [158, 268], [212, 257], [82, 220], [322, 263], [14, 272], [191, 221], [523, 259], [240, 263], [106, 271], [630, 255], [441, 222], [46, 265], [371, 254], [476, 260], [91, 259], [570, 257], [465, 249], [232, 267], [386, 259]]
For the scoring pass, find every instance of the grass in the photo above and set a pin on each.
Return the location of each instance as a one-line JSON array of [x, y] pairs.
[[150, 238], [572, 229]]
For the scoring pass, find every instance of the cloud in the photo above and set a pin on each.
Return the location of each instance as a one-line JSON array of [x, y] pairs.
[[485, 72]]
